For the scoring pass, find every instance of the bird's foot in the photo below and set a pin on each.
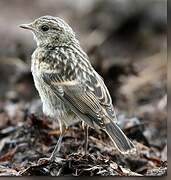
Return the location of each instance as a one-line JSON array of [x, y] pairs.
[[45, 161]]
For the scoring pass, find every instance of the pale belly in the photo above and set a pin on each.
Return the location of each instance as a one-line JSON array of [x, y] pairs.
[[52, 105]]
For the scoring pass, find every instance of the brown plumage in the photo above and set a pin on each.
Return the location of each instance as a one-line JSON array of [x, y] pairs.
[[69, 87]]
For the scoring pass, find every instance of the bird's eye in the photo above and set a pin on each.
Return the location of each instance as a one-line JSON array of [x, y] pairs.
[[44, 28]]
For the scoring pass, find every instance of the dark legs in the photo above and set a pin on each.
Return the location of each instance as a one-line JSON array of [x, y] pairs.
[[56, 150], [86, 137]]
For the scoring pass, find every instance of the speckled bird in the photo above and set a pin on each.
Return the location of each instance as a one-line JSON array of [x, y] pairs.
[[69, 87]]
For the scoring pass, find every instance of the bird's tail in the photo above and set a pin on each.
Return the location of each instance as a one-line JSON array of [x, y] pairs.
[[118, 137]]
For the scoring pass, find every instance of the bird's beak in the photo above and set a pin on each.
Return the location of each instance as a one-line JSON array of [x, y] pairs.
[[27, 26]]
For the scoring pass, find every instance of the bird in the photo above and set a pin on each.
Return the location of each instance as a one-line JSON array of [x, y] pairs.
[[69, 87]]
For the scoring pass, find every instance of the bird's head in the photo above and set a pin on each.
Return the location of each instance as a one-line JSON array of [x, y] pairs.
[[50, 31]]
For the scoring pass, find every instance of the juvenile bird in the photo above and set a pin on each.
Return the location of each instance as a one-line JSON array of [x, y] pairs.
[[69, 87]]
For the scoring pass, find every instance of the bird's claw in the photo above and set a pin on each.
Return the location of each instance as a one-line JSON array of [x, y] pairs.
[[45, 161]]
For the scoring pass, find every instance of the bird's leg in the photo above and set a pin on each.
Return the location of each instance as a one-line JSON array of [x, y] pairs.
[[56, 150], [86, 137]]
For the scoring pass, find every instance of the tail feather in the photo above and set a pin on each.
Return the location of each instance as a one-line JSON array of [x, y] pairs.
[[118, 137]]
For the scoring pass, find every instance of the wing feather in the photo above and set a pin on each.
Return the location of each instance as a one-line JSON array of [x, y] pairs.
[[82, 101], [101, 92]]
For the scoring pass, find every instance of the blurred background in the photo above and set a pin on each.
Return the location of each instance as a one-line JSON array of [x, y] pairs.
[[126, 41]]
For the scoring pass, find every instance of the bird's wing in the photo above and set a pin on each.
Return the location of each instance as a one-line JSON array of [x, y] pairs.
[[79, 97], [96, 84]]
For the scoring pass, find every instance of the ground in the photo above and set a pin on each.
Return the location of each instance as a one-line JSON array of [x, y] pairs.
[[127, 45]]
